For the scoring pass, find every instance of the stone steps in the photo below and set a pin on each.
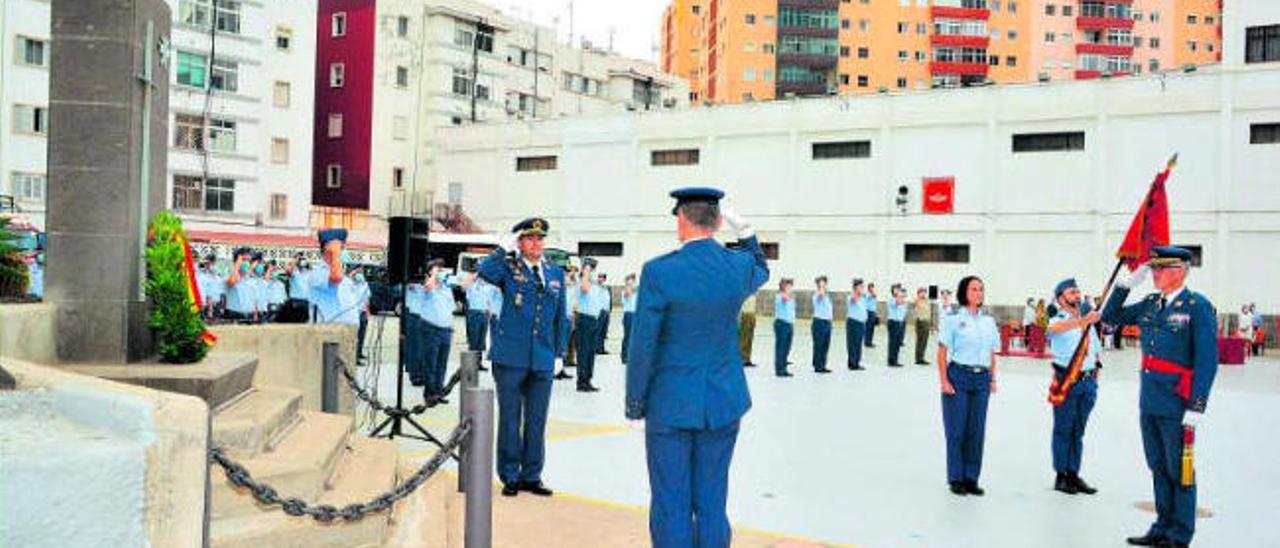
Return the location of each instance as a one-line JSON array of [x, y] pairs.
[[301, 466], [253, 420], [368, 469]]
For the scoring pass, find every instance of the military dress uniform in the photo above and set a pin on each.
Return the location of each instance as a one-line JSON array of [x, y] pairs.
[[525, 346], [971, 340], [820, 329], [685, 379], [1179, 363], [855, 324], [1072, 416], [784, 329]]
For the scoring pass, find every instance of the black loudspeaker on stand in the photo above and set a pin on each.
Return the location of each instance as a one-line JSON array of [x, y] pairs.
[[406, 256]]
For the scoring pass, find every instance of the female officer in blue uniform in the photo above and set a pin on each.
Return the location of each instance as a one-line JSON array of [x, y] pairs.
[[967, 366]]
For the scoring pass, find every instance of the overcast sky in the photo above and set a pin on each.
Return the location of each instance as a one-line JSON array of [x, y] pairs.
[[635, 23]]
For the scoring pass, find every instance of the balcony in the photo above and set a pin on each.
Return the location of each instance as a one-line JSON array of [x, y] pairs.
[[811, 60], [948, 12], [1091, 74], [962, 69], [802, 88], [1109, 50], [811, 32], [1103, 23], [959, 40], [810, 4]]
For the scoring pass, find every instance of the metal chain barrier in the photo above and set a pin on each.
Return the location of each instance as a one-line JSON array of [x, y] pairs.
[[380, 407], [267, 495]]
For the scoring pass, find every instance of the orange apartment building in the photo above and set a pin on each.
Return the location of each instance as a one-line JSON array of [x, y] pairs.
[[755, 50]]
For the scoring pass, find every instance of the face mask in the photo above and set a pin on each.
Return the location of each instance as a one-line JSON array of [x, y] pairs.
[[244, 268], [259, 269], [360, 278], [345, 257], [440, 276]]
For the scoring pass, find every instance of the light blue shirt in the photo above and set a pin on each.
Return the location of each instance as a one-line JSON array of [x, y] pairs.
[[258, 288], [970, 339], [897, 312], [300, 284], [214, 287], [570, 299], [241, 298], [869, 302], [858, 309], [629, 302], [276, 293], [364, 293], [822, 307], [36, 285], [1063, 344], [784, 310], [436, 307], [494, 300], [478, 296], [593, 301], [334, 302]]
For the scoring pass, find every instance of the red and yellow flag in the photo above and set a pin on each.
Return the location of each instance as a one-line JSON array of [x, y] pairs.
[[1150, 226], [193, 287]]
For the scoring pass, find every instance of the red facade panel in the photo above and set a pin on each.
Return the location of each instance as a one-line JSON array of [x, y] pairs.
[[354, 101]]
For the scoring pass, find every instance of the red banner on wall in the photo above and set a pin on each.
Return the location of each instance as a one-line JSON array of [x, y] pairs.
[[939, 196]]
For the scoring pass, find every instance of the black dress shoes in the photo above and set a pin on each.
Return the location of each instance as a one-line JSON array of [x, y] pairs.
[[957, 488], [972, 488], [748, 364], [535, 487], [1147, 540], [510, 490], [1080, 485], [562, 375], [1064, 484], [821, 370], [784, 374]]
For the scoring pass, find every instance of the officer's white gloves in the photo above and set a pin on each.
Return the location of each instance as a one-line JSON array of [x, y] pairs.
[[1192, 418], [737, 223], [1135, 278]]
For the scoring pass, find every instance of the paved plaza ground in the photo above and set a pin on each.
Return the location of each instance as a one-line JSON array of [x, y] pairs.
[[857, 458]]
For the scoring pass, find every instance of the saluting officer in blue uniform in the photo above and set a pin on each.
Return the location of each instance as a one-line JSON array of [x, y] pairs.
[[477, 312], [591, 303], [1072, 321], [684, 371], [897, 324], [855, 325], [820, 328], [967, 364], [436, 304], [1179, 361], [873, 314], [525, 347], [784, 327], [334, 296]]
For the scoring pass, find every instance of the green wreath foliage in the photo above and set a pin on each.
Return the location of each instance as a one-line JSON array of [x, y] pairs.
[[178, 327]]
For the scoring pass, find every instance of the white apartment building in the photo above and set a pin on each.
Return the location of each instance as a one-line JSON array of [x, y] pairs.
[[439, 64], [24, 109]]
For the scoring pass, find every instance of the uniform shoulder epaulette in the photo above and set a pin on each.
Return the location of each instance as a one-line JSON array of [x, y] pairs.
[[1153, 297]]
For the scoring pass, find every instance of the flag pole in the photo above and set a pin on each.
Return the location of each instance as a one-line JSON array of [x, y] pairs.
[[1058, 392]]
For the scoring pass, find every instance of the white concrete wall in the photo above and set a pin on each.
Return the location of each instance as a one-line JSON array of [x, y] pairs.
[[22, 84], [1031, 219]]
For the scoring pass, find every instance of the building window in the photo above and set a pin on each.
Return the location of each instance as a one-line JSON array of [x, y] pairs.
[[222, 135], [768, 75], [33, 52], [749, 75], [767, 48], [902, 83], [226, 16], [902, 55], [936, 253], [461, 82], [1191, 19], [335, 126], [279, 150], [922, 28], [338, 25], [192, 69], [397, 177], [1048, 37], [994, 60], [1011, 61], [402, 26], [1048, 142], [455, 193], [1208, 19], [751, 18], [400, 128], [279, 206], [333, 176], [844, 24], [482, 91], [903, 27], [1050, 9], [402, 77], [863, 25], [1067, 10], [864, 53], [844, 51], [284, 38], [188, 132], [188, 192], [29, 186], [1013, 7], [225, 76], [1264, 134], [1191, 45], [1262, 44], [1153, 65], [536, 163], [194, 12], [1011, 34], [220, 195], [862, 81], [599, 249], [280, 95], [30, 119], [844, 79], [675, 157], [920, 56], [337, 75], [1154, 42], [845, 149]]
